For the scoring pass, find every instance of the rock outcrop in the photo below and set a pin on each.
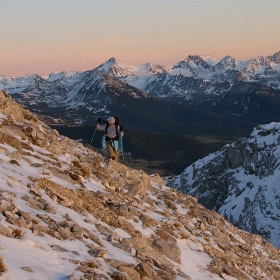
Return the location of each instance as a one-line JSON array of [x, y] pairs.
[[241, 182]]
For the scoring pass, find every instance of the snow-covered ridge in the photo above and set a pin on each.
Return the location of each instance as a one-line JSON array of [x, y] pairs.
[[226, 86], [260, 69], [118, 69], [200, 66], [19, 84], [241, 181], [63, 75]]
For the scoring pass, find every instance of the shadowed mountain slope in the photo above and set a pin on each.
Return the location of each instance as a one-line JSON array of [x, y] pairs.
[[161, 153]]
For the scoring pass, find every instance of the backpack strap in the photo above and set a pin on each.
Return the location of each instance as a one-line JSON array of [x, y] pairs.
[[117, 127]]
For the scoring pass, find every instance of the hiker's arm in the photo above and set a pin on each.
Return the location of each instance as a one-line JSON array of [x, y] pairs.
[[100, 127]]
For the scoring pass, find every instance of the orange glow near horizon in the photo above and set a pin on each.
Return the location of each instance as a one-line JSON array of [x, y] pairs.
[[43, 66], [47, 37]]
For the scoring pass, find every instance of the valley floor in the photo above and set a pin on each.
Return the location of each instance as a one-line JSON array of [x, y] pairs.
[[150, 167]]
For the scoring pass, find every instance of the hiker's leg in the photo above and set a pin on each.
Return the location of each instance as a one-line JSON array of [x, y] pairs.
[[110, 149], [117, 155]]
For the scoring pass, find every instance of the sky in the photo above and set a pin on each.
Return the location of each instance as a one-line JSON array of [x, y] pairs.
[[77, 35]]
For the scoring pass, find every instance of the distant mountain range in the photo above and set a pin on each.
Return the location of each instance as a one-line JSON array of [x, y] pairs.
[[262, 70], [249, 90], [81, 97]]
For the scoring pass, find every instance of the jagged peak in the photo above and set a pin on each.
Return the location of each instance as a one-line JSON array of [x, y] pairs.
[[27, 79], [54, 76], [203, 60], [227, 58], [264, 61], [210, 59], [111, 61], [151, 68], [192, 57], [276, 58], [116, 68]]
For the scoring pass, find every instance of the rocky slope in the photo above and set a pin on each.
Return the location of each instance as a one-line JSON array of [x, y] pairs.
[[241, 182], [85, 218]]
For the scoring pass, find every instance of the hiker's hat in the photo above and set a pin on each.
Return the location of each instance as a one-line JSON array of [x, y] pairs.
[[111, 120]]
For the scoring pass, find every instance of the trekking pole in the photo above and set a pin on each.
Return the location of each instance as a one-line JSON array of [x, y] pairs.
[[122, 153], [92, 137]]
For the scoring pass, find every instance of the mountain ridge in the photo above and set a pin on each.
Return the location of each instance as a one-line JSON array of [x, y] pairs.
[[201, 81], [124, 70], [241, 182], [265, 65], [99, 93]]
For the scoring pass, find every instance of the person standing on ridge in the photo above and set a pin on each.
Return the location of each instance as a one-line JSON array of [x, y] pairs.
[[113, 133]]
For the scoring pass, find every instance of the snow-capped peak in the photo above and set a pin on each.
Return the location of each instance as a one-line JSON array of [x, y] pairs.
[[210, 59], [201, 59], [276, 58], [116, 68], [227, 61], [18, 84], [66, 75], [149, 68]]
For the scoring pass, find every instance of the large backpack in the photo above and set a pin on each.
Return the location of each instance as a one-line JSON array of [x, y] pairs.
[[118, 126], [104, 120]]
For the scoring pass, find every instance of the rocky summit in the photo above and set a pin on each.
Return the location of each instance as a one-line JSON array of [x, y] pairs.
[[67, 213]]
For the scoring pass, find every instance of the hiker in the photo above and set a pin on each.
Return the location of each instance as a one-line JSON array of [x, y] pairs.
[[113, 133]]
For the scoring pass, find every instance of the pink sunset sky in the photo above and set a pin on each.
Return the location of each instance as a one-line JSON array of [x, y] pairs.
[[76, 35]]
